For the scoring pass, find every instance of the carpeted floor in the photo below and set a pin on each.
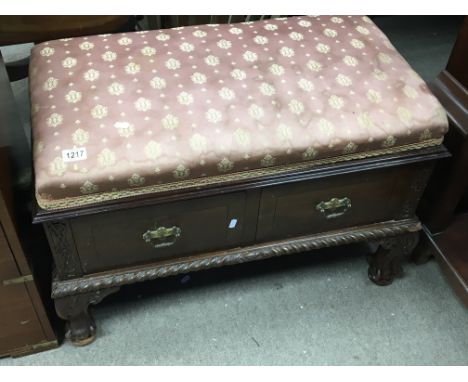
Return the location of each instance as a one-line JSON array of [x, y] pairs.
[[317, 308], [310, 309]]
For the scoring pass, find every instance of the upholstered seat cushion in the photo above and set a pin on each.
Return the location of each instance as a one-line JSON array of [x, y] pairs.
[[132, 113]]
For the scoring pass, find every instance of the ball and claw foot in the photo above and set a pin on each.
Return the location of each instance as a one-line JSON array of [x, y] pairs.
[[81, 331], [383, 269], [80, 327], [384, 264]]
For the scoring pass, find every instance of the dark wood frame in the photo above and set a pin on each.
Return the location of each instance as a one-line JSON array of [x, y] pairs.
[[74, 290], [450, 182], [25, 293]]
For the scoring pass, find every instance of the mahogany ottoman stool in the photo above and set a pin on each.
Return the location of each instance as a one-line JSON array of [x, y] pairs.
[[172, 151]]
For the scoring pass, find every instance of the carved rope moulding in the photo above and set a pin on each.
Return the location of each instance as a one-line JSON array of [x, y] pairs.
[[231, 257]]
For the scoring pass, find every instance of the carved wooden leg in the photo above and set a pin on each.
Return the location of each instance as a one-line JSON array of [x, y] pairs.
[[424, 251], [81, 328], [384, 264]]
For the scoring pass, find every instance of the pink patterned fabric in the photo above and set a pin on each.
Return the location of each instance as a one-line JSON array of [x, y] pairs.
[[122, 114]]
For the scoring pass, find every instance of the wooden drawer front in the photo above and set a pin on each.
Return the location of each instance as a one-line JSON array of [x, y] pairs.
[[115, 239], [359, 198]]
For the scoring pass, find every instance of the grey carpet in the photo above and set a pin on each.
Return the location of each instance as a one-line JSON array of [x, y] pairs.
[[310, 309]]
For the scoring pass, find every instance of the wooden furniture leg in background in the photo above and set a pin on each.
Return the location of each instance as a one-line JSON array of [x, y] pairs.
[[385, 263]]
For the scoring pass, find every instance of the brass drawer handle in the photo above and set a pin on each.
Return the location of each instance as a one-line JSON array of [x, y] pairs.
[[162, 236], [334, 207]]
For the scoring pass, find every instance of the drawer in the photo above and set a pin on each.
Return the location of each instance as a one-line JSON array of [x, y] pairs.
[[331, 203], [146, 234]]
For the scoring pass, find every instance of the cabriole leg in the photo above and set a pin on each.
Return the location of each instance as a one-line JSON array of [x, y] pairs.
[[81, 328], [385, 263]]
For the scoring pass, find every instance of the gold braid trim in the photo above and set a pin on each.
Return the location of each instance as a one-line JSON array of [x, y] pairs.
[[77, 201]]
